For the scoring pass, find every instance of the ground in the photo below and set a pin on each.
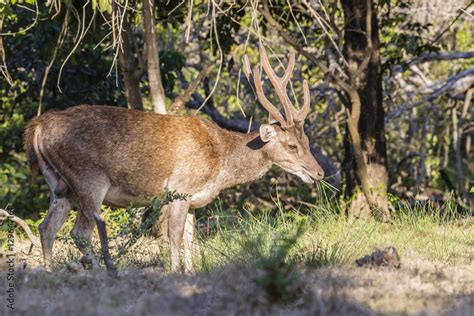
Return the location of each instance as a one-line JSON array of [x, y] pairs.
[[240, 266], [418, 287]]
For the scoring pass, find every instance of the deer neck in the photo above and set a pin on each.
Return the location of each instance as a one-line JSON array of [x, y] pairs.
[[245, 159]]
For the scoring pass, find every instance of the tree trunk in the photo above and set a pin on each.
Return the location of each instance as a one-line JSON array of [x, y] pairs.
[[365, 173], [153, 59], [131, 69]]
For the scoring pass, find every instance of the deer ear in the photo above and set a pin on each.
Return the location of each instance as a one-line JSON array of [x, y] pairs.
[[267, 132]]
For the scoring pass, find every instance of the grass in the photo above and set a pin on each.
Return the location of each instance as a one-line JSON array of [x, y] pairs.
[[331, 239]]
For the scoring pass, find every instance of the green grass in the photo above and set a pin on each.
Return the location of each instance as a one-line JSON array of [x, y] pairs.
[[429, 233]]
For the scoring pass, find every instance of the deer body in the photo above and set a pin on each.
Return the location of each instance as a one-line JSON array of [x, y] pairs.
[[90, 155], [142, 153]]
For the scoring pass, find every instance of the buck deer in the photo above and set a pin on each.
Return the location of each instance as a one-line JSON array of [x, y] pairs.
[[90, 155]]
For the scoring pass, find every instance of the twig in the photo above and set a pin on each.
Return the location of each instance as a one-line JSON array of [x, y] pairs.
[[28, 27], [81, 37], [452, 22], [3, 65], [59, 43], [290, 40], [5, 215]]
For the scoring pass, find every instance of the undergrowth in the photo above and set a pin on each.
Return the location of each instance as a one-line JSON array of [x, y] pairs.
[[281, 242], [427, 232]]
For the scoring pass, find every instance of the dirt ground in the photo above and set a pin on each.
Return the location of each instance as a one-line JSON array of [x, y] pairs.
[[418, 287]]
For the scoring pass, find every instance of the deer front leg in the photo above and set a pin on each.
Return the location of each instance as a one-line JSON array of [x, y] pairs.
[[189, 230], [104, 243], [82, 236], [177, 220]]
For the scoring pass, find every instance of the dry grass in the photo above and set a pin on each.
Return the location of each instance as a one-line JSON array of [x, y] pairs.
[[418, 287]]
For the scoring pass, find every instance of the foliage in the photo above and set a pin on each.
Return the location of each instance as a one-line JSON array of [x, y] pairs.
[[402, 36], [280, 278], [419, 137], [130, 231]]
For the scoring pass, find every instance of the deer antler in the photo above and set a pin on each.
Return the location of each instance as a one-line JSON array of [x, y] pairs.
[[292, 115], [274, 112]]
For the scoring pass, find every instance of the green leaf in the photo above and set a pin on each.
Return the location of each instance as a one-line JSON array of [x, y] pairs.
[[105, 5], [472, 190]]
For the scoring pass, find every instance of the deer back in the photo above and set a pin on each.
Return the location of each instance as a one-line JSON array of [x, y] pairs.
[[139, 152]]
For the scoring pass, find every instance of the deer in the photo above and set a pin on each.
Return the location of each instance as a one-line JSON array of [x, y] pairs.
[[91, 155]]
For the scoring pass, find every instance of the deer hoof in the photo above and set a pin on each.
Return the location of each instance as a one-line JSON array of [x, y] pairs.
[[89, 261]]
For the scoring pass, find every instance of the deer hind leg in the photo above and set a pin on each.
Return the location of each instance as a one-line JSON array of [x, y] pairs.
[[59, 208], [188, 240], [58, 211], [82, 236], [90, 195], [177, 220]]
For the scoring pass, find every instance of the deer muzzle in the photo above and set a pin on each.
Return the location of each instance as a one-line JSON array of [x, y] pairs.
[[312, 173]]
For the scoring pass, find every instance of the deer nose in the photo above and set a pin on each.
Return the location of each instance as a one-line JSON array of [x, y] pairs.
[[316, 172], [319, 173]]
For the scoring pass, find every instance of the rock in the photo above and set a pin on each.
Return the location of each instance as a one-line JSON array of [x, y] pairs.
[[387, 257]]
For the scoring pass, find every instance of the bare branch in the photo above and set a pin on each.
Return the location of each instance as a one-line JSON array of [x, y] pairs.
[[153, 60], [450, 86], [436, 56], [5, 215], [293, 42], [181, 100], [59, 43], [3, 65]]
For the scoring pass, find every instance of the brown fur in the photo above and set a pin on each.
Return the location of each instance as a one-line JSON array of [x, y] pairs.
[[99, 154], [28, 145]]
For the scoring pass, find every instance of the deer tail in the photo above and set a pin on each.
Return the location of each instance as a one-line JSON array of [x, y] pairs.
[[31, 147]]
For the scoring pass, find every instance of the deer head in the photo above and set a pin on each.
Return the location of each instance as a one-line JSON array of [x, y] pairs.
[[286, 144]]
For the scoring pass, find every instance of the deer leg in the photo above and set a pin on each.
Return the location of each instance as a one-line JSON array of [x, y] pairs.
[[58, 211], [178, 213], [104, 243], [81, 234], [188, 240], [90, 195]]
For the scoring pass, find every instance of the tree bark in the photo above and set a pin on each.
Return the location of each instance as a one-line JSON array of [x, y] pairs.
[[457, 143], [153, 59], [365, 162], [131, 69]]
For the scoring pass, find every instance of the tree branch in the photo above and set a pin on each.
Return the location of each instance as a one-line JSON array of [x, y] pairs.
[[449, 84], [181, 100], [153, 60], [455, 85], [432, 56], [293, 42], [5, 215]]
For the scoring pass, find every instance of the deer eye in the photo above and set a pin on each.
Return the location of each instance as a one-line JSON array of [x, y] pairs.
[[292, 146]]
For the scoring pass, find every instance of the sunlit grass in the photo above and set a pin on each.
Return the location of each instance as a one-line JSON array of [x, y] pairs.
[[429, 233]]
